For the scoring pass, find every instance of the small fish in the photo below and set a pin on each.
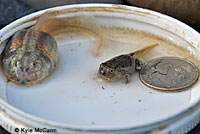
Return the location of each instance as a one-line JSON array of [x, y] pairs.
[[123, 66]]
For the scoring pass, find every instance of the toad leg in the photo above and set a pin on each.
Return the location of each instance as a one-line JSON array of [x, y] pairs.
[[127, 78]]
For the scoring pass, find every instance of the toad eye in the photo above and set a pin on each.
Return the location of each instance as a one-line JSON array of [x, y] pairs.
[[111, 70]]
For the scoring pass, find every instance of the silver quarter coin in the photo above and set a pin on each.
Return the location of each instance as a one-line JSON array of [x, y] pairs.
[[169, 74]]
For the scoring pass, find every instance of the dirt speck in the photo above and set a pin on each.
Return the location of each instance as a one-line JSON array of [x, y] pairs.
[[93, 123], [139, 100], [115, 102], [103, 87], [84, 82]]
